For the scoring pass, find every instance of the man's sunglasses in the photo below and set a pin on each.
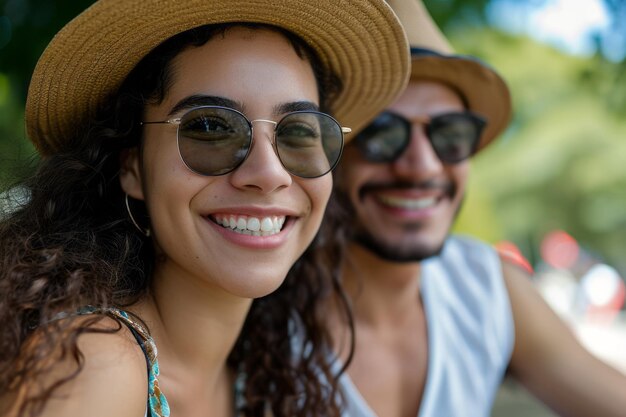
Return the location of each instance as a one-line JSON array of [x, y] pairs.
[[215, 140], [453, 136]]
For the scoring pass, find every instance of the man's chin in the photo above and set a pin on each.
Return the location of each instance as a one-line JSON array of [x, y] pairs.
[[397, 252]]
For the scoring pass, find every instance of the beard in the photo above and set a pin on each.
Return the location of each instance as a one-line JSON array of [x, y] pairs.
[[401, 252]]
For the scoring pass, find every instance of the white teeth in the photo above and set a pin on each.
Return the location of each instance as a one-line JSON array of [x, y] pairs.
[[247, 225], [267, 225], [408, 203], [254, 224]]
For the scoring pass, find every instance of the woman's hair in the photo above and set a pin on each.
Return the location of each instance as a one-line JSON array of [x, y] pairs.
[[69, 243]]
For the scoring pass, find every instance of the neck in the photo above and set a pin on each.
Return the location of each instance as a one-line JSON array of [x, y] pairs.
[[381, 291], [194, 326]]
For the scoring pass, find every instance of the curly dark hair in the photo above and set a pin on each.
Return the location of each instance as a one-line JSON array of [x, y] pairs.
[[68, 243]]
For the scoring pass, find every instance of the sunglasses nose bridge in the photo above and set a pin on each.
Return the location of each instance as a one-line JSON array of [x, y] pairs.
[[419, 124], [270, 135], [418, 135], [419, 155], [272, 122]]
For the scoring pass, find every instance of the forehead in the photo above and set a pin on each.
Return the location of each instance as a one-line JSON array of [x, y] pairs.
[[427, 97], [243, 64]]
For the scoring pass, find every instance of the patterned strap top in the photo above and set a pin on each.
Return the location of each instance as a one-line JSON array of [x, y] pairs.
[[157, 403]]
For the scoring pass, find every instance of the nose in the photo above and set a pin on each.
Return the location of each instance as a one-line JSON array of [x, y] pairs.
[[262, 169], [418, 161]]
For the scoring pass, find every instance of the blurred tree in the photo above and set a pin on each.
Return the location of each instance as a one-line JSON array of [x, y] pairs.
[[26, 27], [560, 164], [456, 16]]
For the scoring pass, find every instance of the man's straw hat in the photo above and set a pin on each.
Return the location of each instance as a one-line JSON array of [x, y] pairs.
[[360, 40], [433, 58]]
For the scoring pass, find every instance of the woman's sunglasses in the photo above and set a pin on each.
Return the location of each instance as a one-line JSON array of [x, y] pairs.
[[453, 136], [215, 140]]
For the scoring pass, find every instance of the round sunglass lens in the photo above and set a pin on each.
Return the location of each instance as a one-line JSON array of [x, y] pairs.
[[309, 144], [384, 139], [213, 140], [454, 137]]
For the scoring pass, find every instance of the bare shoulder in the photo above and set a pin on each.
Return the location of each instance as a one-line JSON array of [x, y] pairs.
[[537, 326], [518, 282], [113, 380], [541, 337]]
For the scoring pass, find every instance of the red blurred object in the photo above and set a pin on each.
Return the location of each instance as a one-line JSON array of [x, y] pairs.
[[559, 249], [511, 252]]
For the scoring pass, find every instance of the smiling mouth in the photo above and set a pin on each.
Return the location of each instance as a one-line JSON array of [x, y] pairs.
[[407, 203], [249, 225]]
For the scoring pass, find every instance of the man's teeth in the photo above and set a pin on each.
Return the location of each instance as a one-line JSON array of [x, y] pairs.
[[408, 203], [255, 226]]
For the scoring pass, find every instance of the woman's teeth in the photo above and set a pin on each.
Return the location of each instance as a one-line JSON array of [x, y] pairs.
[[248, 225]]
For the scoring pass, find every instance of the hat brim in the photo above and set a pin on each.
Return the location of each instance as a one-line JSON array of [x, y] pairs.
[[87, 61], [484, 91]]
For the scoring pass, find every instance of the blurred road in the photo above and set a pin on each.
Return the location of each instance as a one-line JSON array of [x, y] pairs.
[[514, 401], [605, 340]]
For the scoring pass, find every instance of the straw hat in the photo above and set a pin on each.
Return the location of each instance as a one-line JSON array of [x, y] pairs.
[[433, 58], [360, 40]]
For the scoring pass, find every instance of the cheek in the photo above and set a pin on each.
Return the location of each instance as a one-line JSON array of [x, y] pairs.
[[167, 182], [352, 173], [460, 176], [324, 189], [355, 179], [318, 191]]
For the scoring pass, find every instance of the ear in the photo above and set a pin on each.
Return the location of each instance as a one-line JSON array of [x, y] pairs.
[[130, 173]]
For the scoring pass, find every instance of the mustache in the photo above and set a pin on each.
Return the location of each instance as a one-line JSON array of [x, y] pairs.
[[447, 187]]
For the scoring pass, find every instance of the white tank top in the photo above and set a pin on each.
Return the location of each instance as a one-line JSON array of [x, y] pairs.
[[470, 333]]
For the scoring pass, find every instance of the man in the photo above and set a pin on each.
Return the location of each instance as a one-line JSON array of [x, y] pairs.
[[439, 319]]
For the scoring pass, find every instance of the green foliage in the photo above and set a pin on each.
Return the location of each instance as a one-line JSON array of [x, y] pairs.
[[26, 27], [560, 165]]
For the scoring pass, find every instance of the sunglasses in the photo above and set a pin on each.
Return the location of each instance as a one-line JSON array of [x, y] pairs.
[[453, 136], [215, 140]]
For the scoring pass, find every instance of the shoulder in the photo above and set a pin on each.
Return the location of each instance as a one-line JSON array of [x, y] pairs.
[[526, 302], [113, 380], [519, 281], [541, 337]]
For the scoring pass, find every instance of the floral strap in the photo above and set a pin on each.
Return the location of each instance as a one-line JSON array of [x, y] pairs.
[[157, 403]]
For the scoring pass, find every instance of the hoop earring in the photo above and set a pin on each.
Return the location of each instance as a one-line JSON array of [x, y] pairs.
[[145, 232]]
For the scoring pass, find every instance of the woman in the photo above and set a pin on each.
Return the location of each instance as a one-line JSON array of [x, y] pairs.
[[184, 172]]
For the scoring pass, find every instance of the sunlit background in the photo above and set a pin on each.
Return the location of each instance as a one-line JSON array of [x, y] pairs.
[[551, 192]]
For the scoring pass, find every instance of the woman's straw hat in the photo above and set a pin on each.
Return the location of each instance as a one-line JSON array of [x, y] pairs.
[[360, 40], [433, 58]]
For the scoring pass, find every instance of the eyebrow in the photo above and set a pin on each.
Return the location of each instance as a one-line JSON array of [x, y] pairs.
[[295, 106], [198, 100]]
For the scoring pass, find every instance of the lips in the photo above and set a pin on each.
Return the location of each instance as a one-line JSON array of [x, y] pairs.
[[408, 196], [250, 225]]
